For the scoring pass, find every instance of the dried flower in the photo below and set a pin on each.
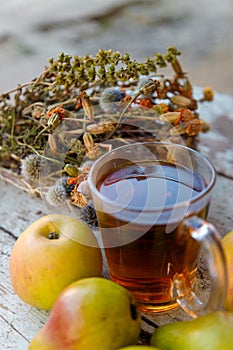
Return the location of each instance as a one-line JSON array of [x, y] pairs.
[[110, 99], [55, 116], [98, 129], [170, 117], [78, 199], [204, 126], [78, 179], [30, 167], [147, 85], [145, 102], [56, 195], [164, 107], [84, 101], [180, 101], [194, 127], [185, 114], [88, 214], [93, 149], [208, 94], [159, 109], [63, 181], [113, 81]]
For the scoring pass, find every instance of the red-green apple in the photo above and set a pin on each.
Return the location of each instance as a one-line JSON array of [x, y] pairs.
[[227, 244], [92, 313], [48, 256]]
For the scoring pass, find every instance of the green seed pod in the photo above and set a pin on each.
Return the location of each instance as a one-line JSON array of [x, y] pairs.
[[71, 170]]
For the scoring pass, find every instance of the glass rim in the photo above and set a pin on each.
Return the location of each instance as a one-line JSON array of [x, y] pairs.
[[178, 205]]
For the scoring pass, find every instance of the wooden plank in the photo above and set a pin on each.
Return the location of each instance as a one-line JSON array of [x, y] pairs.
[[217, 144], [221, 208], [18, 321], [18, 209]]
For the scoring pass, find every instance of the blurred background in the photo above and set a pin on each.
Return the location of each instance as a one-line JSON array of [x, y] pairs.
[[32, 31]]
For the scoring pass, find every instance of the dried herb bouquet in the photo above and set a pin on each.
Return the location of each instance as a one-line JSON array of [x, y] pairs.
[[54, 127]]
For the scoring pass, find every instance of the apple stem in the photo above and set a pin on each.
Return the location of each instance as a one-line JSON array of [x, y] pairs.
[[53, 235]]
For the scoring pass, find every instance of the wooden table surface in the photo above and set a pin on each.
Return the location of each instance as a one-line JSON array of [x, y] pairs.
[[18, 321]]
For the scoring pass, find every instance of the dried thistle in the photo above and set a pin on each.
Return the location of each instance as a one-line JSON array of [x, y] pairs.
[[30, 167], [56, 195]]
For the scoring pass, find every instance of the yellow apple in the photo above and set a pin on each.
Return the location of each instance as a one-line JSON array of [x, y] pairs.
[[48, 256], [92, 313], [227, 244]]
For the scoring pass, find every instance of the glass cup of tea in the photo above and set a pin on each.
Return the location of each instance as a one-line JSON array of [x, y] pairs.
[[152, 201]]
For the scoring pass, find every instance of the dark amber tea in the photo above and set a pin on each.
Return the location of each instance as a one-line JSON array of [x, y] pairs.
[[151, 200], [143, 239]]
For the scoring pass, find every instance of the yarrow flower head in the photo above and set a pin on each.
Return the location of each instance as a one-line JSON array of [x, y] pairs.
[[30, 167]]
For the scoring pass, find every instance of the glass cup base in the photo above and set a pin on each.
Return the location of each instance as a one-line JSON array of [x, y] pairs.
[[154, 296], [156, 308]]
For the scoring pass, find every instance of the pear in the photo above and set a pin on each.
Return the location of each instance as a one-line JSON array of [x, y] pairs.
[[92, 313], [209, 332], [227, 244]]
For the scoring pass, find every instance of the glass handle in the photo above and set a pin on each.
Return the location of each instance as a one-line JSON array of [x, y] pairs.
[[209, 240]]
